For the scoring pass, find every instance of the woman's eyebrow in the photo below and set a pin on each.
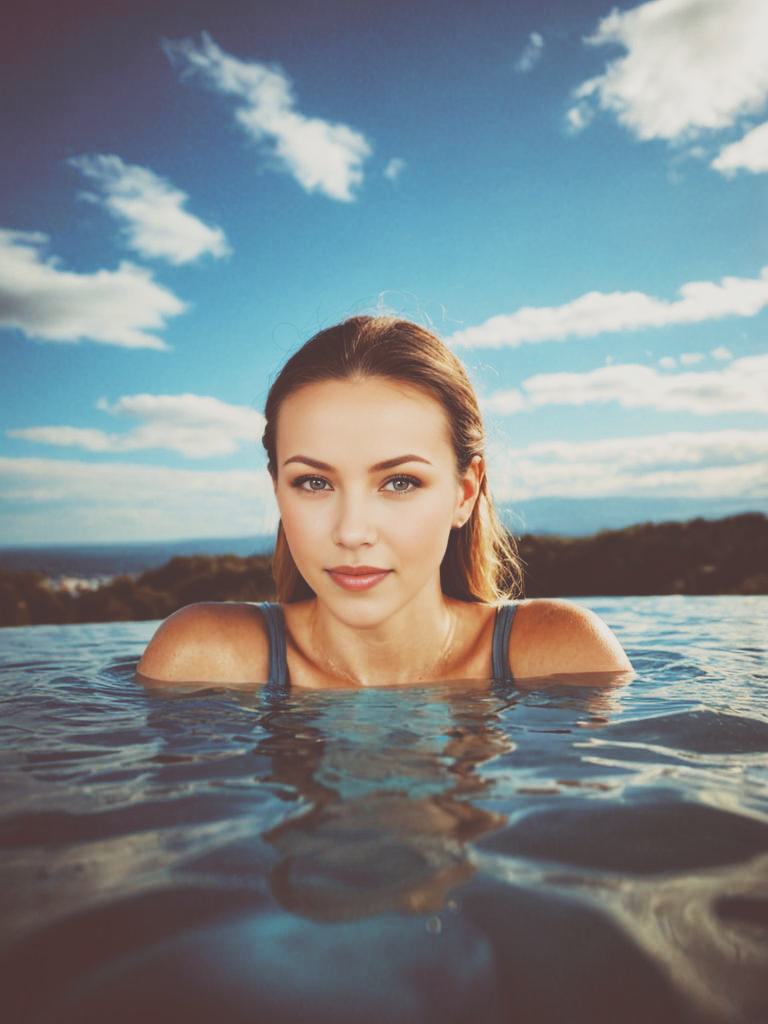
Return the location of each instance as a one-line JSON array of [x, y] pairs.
[[386, 464]]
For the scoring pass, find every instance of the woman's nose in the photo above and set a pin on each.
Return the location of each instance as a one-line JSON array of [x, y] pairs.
[[354, 524]]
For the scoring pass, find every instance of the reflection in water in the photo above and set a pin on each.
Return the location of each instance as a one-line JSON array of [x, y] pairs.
[[388, 780], [383, 790]]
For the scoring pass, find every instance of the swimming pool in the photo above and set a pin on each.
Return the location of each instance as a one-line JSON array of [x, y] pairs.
[[446, 853]]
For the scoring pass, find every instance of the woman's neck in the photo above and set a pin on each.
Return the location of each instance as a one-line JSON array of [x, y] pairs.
[[414, 645]]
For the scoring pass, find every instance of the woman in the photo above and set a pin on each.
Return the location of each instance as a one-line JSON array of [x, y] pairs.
[[390, 562]]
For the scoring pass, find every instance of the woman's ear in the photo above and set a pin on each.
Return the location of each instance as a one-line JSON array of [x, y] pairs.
[[469, 489]]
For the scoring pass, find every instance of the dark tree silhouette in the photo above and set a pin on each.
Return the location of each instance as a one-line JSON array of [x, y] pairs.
[[725, 556]]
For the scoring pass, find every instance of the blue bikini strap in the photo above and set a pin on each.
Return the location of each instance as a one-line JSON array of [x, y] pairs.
[[278, 661], [505, 613]]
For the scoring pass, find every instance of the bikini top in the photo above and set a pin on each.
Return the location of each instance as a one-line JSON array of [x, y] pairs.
[[278, 662]]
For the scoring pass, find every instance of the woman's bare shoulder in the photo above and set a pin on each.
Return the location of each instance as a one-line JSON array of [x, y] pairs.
[[555, 637], [211, 642]]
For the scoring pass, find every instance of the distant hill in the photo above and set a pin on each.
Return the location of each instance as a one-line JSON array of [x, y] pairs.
[[105, 560], [726, 556], [582, 517], [702, 556]]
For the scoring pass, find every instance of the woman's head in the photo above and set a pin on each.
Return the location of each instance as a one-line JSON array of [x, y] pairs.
[[408, 388]]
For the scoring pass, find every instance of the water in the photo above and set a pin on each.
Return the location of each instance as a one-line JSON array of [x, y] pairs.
[[447, 853]]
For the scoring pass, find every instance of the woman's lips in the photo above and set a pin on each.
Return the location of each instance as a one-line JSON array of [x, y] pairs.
[[357, 581]]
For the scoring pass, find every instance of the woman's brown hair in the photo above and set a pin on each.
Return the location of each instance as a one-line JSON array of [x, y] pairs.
[[480, 562]]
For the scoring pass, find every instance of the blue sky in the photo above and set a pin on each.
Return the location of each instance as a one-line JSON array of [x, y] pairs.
[[573, 195]]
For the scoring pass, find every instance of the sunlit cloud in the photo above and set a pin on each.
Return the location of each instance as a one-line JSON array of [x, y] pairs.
[[603, 312], [688, 66], [577, 118], [67, 499], [721, 353], [741, 386], [531, 55], [150, 209], [394, 168], [703, 465], [113, 307], [322, 156], [196, 426], [749, 153]]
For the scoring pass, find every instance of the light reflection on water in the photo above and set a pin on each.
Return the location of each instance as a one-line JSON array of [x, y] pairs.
[[483, 853]]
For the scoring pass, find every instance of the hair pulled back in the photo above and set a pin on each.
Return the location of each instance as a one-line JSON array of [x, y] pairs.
[[480, 562]]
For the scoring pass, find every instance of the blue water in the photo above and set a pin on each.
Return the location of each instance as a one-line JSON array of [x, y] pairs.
[[445, 853]]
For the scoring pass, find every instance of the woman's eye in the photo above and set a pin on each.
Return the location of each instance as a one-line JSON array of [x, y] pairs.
[[404, 484], [316, 483]]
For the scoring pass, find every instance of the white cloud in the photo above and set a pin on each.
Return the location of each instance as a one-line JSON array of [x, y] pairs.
[[113, 307], [654, 451], [689, 65], [322, 156], [531, 55], [394, 168], [741, 386], [69, 499], [578, 117], [722, 353], [196, 426], [598, 312], [750, 153], [151, 210], [706, 465]]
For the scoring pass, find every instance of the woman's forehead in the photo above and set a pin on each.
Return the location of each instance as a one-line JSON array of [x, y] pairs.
[[373, 411]]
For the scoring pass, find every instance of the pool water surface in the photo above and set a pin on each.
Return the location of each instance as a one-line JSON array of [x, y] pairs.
[[455, 852]]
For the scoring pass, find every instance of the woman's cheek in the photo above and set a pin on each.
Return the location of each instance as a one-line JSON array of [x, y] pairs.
[[306, 529], [423, 532], [302, 525]]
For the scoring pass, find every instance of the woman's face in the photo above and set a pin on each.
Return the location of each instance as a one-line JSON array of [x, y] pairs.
[[342, 507]]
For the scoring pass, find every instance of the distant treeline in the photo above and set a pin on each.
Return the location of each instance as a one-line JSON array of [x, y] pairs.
[[725, 556]]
